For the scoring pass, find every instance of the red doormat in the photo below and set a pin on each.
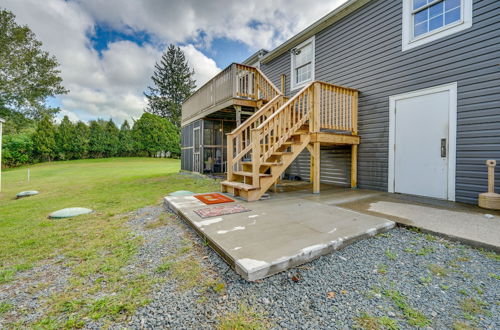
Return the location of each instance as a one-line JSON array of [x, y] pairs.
[[215, 211], [214, 198]]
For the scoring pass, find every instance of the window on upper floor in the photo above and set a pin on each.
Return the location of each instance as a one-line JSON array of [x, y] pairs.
[[302, 64], [429, 20]]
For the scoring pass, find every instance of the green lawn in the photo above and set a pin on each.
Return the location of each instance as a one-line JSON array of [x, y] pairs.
[[98, 244]]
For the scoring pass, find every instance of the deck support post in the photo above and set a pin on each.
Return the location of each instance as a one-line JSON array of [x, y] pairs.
[[315, 167], [238, 115], [354, 166]]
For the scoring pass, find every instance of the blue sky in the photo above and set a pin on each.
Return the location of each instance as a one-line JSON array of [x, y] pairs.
[[107, 49]]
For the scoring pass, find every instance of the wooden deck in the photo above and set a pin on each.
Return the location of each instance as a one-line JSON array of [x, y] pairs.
[[238, 86], [263, 147]]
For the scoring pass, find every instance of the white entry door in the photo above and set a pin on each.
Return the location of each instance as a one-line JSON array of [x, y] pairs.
[[422, 150]]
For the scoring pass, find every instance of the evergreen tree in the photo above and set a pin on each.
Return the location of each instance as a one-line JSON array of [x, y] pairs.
[[111, 142], [65, 135], [44, 143], [80, 143], [126, 147], [153, 134], [97, 138], [172, 84]]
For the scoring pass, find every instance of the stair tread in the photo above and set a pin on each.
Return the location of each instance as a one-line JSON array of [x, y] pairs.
[[265, 163], [244, 173], [239, 185]]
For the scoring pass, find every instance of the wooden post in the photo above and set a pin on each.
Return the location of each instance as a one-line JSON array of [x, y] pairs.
[[256, 85], [491, 174], [316, 167], [255, 136], [238, 115], [315, 120], [283, 76], [354, 114], [354, 166], [230, 156], [311, 162]]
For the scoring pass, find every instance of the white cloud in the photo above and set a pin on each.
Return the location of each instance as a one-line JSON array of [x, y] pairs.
[[204, 68], [111, 84], [257, 23]]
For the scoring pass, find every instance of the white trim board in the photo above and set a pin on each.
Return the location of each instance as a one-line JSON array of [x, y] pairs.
[[452, 132], [293, 85], [409, 42]]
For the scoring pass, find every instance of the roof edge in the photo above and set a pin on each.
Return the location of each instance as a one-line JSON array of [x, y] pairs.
[[255, 56], [324, 22]]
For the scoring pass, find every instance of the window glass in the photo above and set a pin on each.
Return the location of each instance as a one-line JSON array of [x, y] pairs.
[[304, 55], [303, 73], [303, 64], [429, 18]]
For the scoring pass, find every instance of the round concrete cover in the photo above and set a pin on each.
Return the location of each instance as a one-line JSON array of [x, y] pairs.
[[181, 193], [69, 212], [27, 193]]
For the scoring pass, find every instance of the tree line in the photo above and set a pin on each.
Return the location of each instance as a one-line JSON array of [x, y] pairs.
[[29, 76], [148, 136]]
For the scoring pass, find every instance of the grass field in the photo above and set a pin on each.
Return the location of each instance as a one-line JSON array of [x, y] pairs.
[[93, 245]]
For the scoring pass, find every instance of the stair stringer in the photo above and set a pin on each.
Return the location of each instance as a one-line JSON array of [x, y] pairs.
[[286, 160]]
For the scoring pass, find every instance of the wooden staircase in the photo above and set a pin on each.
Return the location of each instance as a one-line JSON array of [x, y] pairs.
[[264, 146]]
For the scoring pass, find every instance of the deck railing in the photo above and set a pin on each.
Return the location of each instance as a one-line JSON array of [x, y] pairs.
[[236, 81], [320, 105]]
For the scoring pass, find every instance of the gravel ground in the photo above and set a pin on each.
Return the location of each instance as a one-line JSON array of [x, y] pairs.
[[30, 289], [436, 276]]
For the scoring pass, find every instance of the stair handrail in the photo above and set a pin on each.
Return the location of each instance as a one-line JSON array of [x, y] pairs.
[[240, 137], [287, 122]]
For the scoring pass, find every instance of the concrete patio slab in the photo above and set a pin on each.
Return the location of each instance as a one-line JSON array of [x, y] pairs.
[[279, 233], [465, 223]]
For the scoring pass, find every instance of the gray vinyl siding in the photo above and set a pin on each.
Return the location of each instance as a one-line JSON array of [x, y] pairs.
[[363, 51]]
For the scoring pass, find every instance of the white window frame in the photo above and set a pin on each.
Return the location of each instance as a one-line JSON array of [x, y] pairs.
[[294, 85], [410, 42], [451, 88]]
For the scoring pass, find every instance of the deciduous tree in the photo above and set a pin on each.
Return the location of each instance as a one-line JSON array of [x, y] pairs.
[[153, 134], [28, 74]]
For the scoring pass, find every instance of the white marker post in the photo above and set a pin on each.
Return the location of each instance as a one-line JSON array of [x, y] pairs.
[[1, 126]]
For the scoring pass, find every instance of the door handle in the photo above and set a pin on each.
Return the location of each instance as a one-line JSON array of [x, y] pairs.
[[443, 148]]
